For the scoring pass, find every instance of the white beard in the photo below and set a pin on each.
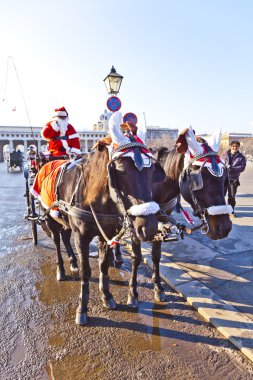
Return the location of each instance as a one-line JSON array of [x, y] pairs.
[[63, 124]]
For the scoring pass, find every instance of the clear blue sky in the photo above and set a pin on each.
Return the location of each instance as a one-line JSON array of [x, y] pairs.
[[183, 61]]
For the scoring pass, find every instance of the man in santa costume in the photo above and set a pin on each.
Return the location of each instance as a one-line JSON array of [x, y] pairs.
[[62, 136]]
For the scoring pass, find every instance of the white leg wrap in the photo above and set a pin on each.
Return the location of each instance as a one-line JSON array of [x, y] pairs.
[[219, 210], [144, 209]]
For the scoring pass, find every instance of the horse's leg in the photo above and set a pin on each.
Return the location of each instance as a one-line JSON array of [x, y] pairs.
[[54, 228], [132, 299], [117, 254], [60, 271], [82, 247], [66, 234], [156, 257], [105, 252]]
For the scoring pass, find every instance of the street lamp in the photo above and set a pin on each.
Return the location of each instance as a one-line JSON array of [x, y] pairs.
[[113, 82]]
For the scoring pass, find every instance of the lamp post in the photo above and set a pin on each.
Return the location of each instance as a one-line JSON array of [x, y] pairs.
[[113, 82]]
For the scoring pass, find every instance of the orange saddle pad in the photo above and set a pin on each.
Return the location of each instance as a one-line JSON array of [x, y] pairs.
[[44, 184]]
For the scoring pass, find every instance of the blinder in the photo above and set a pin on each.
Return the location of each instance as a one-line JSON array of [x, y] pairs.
[[196, 179]]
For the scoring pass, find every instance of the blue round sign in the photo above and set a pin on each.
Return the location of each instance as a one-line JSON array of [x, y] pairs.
[[113, 103], [130, 117]]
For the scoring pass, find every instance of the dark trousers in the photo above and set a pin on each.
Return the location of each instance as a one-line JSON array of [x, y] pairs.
[[231, 189]]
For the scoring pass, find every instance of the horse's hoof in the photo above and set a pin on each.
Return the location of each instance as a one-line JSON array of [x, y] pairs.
[[132, 301], [160, 296], [60, 275], [109, 304], [74, 271], [81, 319]]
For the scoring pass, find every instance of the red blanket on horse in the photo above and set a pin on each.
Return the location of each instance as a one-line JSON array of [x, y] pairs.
[[44, 184]]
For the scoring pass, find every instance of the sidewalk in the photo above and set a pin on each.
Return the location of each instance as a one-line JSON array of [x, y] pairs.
[[216, 277]]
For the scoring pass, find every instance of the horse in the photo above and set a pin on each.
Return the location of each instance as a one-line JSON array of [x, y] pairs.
[[100, 196], [194, 170]]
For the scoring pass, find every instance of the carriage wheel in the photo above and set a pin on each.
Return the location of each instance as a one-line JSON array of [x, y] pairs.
[[31, 214], [34, 232], [34, 222]]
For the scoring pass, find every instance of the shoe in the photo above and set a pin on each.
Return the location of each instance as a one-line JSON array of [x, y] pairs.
[[233, 215]]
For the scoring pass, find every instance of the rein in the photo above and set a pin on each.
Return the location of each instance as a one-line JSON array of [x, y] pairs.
[[198, 210]]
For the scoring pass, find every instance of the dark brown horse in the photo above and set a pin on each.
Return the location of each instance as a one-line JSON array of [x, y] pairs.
[[117, 187], [194, 170]]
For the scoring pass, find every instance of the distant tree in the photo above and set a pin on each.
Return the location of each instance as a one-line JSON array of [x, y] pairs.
[[164, 141]]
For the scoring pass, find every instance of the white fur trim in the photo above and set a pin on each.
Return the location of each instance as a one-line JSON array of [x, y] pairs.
[[75, 150], [114, 128], [53, 213], [144, 209], [65, 146], [75, 135], [34, 193], [219, 210], [60, 113], [55, 126]]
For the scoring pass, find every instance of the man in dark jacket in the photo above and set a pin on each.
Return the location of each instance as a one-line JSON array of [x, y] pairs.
[[235, 162]]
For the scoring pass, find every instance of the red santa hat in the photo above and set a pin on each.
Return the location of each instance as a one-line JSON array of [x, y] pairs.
[[60, 112]]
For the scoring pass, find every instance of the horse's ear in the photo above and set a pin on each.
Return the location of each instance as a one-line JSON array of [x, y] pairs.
[[114, 128], [187, 140], [181, 143], [141, 133], [158, 174], [214, 140]]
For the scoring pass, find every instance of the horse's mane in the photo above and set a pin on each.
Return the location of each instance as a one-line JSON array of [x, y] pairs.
[[173, 163], [95, 174]]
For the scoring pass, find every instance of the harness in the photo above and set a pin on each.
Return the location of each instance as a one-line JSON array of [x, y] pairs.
[[123, 218]]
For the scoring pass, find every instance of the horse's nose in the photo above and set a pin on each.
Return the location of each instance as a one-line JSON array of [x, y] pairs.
[[220, 226]]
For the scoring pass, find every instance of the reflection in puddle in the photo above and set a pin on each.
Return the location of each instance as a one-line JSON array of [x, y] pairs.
[[77, 367], [50, 291]]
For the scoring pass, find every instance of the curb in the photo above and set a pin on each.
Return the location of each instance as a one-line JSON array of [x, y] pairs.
[[229, 321]]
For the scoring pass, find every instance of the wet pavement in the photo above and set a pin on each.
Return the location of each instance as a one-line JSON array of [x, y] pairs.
[[40, 340]]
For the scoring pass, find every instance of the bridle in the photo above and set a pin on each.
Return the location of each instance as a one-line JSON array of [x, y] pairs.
[[195, 182]]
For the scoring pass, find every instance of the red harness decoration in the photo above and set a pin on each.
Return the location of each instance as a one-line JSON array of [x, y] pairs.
[[207, 159]]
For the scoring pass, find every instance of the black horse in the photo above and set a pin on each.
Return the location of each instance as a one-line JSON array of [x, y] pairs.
[[115, 189], [194, 170]]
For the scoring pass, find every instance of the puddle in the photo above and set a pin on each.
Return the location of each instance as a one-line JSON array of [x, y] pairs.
[[76, 367], [50, 290]]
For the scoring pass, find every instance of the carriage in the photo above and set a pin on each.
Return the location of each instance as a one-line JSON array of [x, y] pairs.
[[14, 161]]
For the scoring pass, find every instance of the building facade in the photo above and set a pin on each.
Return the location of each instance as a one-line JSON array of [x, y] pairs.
[[14, 136], [24, 136]]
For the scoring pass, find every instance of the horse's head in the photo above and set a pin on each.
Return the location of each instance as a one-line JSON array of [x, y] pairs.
[[131, 172], [202, 183]]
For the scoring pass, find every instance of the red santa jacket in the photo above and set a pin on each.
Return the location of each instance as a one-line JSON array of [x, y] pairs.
[[60, 147]]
